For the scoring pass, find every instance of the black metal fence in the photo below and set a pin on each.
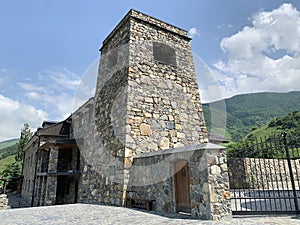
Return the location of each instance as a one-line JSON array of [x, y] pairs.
[[265, 176]]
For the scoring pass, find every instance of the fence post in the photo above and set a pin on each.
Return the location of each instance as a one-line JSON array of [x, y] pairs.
[[291, 171]]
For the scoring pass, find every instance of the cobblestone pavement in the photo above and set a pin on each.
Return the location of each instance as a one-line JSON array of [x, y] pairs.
[[102, 214]]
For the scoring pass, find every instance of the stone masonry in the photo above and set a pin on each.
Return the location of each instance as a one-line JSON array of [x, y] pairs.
[[144, 121], [146, 101], [4, 202], [209, 181], [273, 173]]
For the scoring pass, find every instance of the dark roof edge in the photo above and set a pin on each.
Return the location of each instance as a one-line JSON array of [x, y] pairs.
[[58, 142]]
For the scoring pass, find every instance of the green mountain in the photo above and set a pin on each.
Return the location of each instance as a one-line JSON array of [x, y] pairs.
[[8, 149], [289, 124], [248, 111], [258, 143], [8, 143]]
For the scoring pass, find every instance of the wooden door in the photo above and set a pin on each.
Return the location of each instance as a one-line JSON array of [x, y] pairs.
[[182, 187]]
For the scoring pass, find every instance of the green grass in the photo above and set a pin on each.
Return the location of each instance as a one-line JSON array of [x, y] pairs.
[[7, 151], [260, 136], [264, 132], [6, 161], [289, 123]]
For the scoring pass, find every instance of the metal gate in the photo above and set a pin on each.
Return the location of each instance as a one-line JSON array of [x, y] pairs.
[[265, 176]]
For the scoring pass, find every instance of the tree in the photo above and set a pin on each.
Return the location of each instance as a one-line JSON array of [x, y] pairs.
[[25, 136], [11, 172]]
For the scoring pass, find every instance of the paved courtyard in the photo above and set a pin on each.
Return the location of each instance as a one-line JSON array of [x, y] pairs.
[[102, 214]]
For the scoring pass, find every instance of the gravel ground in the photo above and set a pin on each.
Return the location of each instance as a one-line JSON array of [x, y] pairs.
[[103, 214]]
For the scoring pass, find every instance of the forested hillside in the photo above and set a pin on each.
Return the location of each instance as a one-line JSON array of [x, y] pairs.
[[289, 124], [258, 142], [8, 149], [248, 111], [8, 143]]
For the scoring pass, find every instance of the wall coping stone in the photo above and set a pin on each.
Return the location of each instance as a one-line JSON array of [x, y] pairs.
[[150, 20], [190, 148]]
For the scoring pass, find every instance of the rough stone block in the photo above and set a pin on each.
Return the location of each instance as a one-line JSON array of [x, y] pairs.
[[145, 129], [164, 143], [215, 170]]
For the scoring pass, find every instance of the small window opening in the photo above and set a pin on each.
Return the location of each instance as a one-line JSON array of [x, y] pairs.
[[164, 53]]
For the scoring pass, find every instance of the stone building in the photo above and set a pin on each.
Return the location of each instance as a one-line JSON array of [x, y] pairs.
[[38, 165], [141, 141]]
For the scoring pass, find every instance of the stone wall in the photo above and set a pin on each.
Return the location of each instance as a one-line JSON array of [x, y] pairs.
[[163, 109], [108, 150], [101, 169], [164, 103], [260, 173], [29, 173], [40, 197], [152, 177], [145, 104], [4, 202], [141, 104]]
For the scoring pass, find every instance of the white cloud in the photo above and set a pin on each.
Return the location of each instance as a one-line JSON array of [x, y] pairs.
[[193, 32], [31, 87], [32, 95], [61, 103], [65, 78], [27, 99], [54, 91], [13, 115], [264, 56]]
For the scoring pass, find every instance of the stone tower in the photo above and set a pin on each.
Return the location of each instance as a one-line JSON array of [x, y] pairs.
[[147, 97], [146, 101], [141, 141]]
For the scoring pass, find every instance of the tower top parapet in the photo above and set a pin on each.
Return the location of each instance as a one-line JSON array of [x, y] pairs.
[[136, 15]]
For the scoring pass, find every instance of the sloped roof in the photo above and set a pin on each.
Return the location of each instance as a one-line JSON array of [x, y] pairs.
[[56, 129]]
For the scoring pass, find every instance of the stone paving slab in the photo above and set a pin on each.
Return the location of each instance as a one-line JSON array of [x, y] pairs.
[[103, 214]]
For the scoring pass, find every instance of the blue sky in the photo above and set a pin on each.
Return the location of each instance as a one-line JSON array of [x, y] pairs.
[[46, 46]]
